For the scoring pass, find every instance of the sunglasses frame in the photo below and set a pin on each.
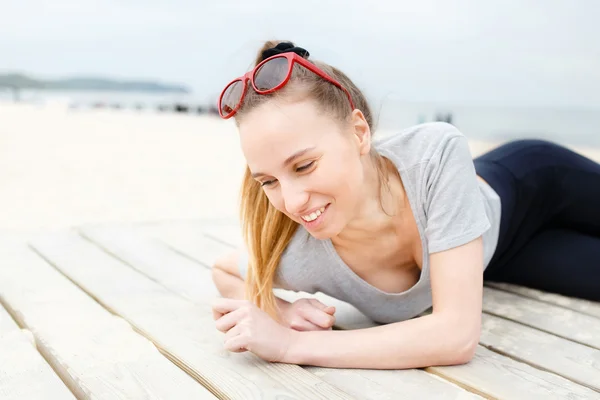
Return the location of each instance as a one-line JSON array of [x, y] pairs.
[[291, 59]]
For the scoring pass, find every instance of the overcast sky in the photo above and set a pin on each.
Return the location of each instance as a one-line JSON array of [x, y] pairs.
[[533, 52]]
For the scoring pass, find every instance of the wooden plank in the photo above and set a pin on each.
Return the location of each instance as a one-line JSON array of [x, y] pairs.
[[7, 323], [583, 306], [145, 254], [571, 360], [183, 330], [192, 241], [95, 353], [391, 384], [557, 320], [188, 239], [190, 279], [24, 374], [497, 376], [227, 234]]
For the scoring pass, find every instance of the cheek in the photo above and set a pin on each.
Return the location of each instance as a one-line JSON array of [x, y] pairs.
[[341, 180], [275, 198]]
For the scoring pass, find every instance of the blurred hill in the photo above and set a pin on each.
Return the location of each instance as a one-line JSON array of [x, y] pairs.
[[22, 81]]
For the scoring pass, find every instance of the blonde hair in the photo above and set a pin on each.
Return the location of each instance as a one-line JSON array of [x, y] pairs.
[[267, 231]]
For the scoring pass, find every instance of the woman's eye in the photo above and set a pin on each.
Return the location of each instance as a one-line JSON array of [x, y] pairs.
[[305, 166], [267, 183]]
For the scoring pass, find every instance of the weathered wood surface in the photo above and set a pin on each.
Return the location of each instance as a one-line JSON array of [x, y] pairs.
[[95, 353], [24, 374], [560, 321], [182, 329], [583, 306], [508, 377], [98, 281]]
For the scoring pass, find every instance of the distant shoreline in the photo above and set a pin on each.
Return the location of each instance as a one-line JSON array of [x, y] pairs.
[[18, 82]]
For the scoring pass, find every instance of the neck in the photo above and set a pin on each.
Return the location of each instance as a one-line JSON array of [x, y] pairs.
[[378, 212]]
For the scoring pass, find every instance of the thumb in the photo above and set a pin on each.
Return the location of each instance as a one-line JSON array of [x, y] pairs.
[[330, 310]]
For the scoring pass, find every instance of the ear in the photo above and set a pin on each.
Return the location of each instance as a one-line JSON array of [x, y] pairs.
[[361, 131]]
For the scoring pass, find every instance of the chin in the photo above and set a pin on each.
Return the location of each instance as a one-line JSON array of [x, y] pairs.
[[326, 232], [321, 235]]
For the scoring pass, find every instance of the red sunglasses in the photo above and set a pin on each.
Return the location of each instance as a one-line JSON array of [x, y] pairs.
[[267, 77]]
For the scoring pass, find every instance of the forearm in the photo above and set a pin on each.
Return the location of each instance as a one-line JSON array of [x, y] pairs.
[[232, 287], [229, 286], [417, 343]]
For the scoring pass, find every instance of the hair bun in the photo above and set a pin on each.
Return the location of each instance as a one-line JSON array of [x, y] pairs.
[[284, 47]]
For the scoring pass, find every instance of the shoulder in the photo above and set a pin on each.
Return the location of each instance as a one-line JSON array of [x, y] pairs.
[[419, 144]]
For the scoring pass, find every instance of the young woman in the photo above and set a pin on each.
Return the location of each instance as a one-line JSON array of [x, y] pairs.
[[393, 227]]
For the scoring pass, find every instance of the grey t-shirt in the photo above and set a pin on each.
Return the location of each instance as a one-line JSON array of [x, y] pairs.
[[451, 207]]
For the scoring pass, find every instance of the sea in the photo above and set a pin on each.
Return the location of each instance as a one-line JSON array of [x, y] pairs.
[[571, 126]]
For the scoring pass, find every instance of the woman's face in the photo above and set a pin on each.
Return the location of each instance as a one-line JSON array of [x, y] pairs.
[[309, 164]]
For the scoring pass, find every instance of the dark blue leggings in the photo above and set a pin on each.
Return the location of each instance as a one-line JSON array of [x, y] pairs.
[[550, 226]]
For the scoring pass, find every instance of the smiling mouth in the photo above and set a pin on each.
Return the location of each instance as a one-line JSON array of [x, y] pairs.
[[314, 215]]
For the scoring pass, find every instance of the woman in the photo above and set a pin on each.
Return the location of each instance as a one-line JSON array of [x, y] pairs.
[[393, 227]]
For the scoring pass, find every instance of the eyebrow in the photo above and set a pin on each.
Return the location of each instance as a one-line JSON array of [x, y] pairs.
[[287, 160]]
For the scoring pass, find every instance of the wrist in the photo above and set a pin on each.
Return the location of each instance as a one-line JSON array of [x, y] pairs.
[[294, 353]]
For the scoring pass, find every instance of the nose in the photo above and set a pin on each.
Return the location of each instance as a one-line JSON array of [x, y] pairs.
[[295, 197]]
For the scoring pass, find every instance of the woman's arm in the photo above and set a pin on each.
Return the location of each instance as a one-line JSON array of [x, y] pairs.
[[449, 335], [229, 282]]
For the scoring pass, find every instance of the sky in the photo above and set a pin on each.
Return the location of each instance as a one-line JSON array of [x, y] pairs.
[[503, 52]]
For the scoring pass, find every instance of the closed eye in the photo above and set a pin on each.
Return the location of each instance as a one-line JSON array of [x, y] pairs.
[[301, 168], [267, 183], [305, 167]]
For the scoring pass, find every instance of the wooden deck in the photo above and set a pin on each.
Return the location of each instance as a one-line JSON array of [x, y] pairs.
[[122, 312]]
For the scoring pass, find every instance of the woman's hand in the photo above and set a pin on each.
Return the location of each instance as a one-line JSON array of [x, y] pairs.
[[308, 315], [248, 328]]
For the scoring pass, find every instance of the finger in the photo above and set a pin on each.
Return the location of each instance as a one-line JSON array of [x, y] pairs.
[[221, 306], [318, 317], [317, 304], [229, 320], [233, 332], [328, 309], [237, 344], [301, 324]]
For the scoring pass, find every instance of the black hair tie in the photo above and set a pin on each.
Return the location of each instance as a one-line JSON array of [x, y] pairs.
[[284, 47]]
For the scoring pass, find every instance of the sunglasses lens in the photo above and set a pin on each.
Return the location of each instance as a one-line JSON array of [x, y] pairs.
[[231, 97], [271, 74]]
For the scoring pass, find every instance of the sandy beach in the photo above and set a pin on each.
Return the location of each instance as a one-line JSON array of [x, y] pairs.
[[63, 168]]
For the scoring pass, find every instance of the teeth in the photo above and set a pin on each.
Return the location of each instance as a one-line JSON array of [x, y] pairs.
[[314, 215]]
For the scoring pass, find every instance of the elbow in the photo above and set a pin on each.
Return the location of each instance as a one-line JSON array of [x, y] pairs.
[[464, 351], [462, 345]]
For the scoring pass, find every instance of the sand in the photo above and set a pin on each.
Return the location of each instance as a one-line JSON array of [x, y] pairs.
[[62, 168]]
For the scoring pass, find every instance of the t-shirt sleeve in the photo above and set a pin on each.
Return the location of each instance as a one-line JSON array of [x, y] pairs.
[[454, 206]]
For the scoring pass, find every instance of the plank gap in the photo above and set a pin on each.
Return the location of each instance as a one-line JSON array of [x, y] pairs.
[[536, 366], [181, 253], [229, 244], [463, 385], [41, 349]]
